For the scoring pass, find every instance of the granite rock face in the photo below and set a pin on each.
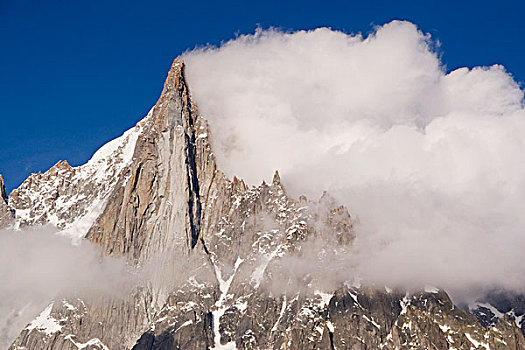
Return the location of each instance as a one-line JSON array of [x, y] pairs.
[[234, 266], [6, 213]]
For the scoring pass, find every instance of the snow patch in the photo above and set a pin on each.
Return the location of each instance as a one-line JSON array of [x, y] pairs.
[[283, 308], [371, 320], [476, 343], [431, 289], [495, 311], [354, 296], [45, 322], [444, 328], [187, 323], [92, 342], [224, 286], [404, 303], [325, 298]]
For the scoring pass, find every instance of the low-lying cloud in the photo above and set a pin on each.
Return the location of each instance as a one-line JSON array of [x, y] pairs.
[[37, 266], [430, 161]]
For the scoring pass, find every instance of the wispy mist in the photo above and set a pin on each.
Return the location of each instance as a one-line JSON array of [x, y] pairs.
[[430, 161], [37, 266]]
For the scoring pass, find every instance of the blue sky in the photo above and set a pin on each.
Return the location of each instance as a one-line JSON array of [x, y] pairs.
[[74, 75]]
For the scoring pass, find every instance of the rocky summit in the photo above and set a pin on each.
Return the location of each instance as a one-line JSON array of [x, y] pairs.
[[229, 259]]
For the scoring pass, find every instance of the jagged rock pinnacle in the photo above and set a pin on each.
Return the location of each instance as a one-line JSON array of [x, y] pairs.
[[3, 193], [6, 214], [276, 178], [221, 244]]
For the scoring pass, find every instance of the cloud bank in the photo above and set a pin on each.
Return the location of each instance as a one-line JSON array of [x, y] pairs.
[[430, 161], [37, 266]]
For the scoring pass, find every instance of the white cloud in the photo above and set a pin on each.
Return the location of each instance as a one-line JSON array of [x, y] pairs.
[[37, 266], [431, 162]]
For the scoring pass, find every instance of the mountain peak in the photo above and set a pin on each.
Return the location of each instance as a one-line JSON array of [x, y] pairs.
[[175, 77], [276, 178], [223, 278]]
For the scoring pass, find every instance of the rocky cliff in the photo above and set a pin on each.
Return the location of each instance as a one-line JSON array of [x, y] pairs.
[[229, 259], [6, 214]]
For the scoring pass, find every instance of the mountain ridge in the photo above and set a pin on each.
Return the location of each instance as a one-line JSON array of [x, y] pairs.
[[157, 192]]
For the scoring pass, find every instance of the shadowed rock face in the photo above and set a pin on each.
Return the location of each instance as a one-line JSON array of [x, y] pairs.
[[221, 253], [497, 303]]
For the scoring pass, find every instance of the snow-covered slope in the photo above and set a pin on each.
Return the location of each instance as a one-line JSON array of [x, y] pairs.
[[71, 198]]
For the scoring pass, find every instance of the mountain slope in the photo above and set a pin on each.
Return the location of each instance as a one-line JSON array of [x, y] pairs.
[[227, 259]]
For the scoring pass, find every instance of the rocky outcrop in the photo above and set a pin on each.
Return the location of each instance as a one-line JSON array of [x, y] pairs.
[[159, 208], [71, 198], [498, 304], [6, 214], [230, 266]]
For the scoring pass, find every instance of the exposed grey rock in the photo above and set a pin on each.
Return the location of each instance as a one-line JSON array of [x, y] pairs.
[[3, 192], [222, 253], [6, 214]]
